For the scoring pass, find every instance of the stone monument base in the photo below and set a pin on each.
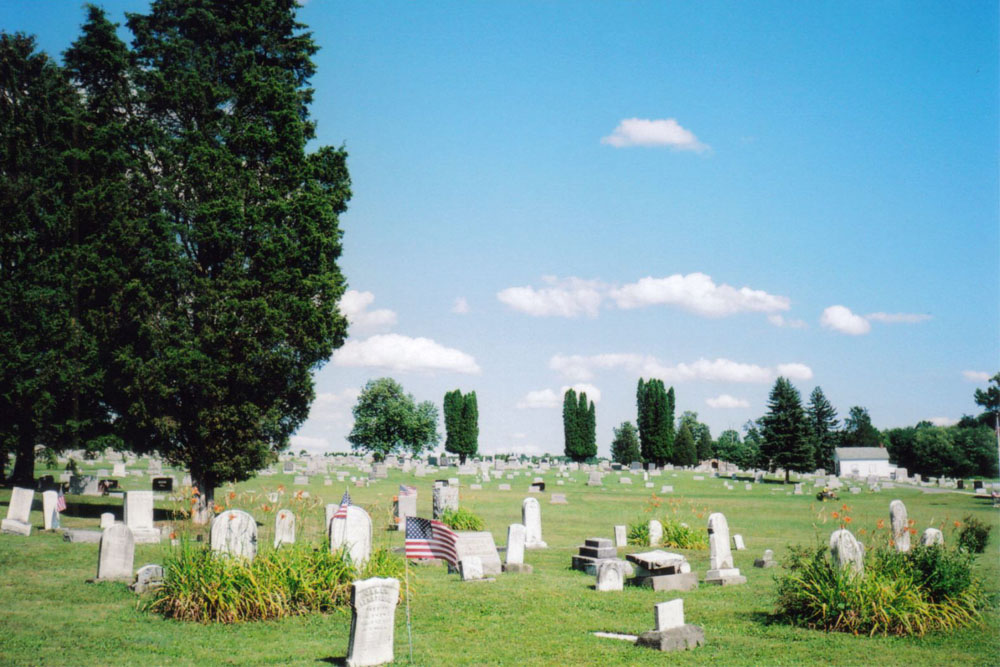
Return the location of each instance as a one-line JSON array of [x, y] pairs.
[[686, 581], [146, 535], [77, 535], [518, 568], [727, 577], [675, 639]]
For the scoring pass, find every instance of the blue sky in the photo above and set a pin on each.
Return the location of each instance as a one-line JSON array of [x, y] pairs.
[[559, 194]]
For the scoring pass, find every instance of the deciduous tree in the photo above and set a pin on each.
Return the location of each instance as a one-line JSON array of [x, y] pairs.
[[388, 420], [625, 446]]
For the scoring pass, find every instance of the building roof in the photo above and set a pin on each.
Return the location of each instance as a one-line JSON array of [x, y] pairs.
[[866, 453]]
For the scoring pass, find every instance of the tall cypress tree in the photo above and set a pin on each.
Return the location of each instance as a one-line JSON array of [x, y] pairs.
[[785, 431], [590, 450], [470, 426], [685, 449], [570, 424], [453, 405], [823, 429], [655, 421]]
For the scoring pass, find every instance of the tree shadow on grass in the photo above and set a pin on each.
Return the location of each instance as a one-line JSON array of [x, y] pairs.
[[761, 618], [334, 661]]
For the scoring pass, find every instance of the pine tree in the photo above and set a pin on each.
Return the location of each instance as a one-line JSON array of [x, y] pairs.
[[685, 449], [453, 405], [859, 431], [785, 431], [625, 446], [570, 425], [823, 429], [655, 418], [590, 450], [705, 449], [470, 427]]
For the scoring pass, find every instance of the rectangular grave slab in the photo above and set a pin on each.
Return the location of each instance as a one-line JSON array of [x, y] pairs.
[[658, 563], [481, 544]]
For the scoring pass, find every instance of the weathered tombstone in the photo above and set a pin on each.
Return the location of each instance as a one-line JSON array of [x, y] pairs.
[[406, 505], [625, 480], [847, 551], [900, 525], [594, 479], [931, 537], [373, 621], [558, 499], [234, 532], [284, 528], [301, 480], [515, 544], [592, 552], [107, 520], [354, 532], [147, 578], [655, 533], [85, 485], [767, 560], [610, 575], [667, 488], [797, 489], [671, 633], [18, 521], [288, 467], [481, 544], [444, 498], [721, 571], [50, 512], [621, 536], [662, 571], [118, 470], [503, 487], [748, 487], [163, 484], [531, 517], [116, 554], [738, 542], [139, 517], [471, 568]]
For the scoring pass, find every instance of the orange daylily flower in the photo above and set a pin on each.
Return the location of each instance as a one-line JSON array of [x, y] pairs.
[[836, 515], [217, 507], [847, 519], [232, 495]]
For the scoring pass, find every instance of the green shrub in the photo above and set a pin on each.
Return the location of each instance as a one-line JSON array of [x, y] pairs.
[[462, 519], [973, 535], [681, 536], [638, 533], [889, 598], [200, 585]]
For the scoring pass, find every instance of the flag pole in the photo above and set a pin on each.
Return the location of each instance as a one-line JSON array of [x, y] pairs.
[[409, 627]]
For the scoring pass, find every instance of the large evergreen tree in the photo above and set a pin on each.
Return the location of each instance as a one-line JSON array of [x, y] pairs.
[[858, 430], [625, 446], [579, 426], [461, 422], [785, 431], [823, 429], [571, 427], [685, 448], [656, 421], [219, 373]]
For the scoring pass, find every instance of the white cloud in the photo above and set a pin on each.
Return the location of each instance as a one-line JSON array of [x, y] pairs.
[[332, 407], [840, 318], [662, 132], [727, 401], [943, 421], [354, 306], [795, 371], [312, 445], [570, 297], [581, 368], [976, 376], [899, 318], [402, 353], [780, 321], [461, 306], [697, 293], [547, 398]]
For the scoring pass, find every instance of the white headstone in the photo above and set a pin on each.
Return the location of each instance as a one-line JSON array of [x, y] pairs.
[[669, 615], [49, 511], [721, 555], [931, 537], [655, 533], [667, 488], [515, 544], [531, 517], [610, 575], [234, 532], [406, 505], [353, 531], [471, 568], [738, 542], [444, 498], [900, 525], [116, 554], [846, 551], [107, 520], [118, 470], [373, 621], [18, 521], [139, 517], [284, 528], [621, 536]]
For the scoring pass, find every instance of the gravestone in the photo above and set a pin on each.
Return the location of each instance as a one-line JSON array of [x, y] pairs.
[[625, 480], [931, 537], [767, 560], [139, 517], [163, 484], [301, 480], [592, 553], [515, 546], [594, 479], [147, 578], [234, 532], [444, 498], [471, 568], [116, 554], [284, 528], [900, 525], [610, 575], [50, 514], [373, 621], [558, 499], [621, 536], [748, 487], [671, 633], [353, 532], [655, 533], [531, 517], [18, 521], [662, 571], [481, 544], [847, 551], [107, 520], [667, 488], [406, 505], [503, 487], [738, 542], [721, 570], [118, 470], [84, 485], [288, 467], [797, 489]]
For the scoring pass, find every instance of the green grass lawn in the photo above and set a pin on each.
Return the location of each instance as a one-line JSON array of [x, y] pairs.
[[50, 615]]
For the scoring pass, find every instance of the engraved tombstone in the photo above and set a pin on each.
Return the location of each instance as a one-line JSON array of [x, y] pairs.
[[655, 533], [515, 544], [531, 517], [234, 532], [116, 554], [139, 517], [373, 621], [284, 528], [846, 551], [610, 575], [49, 512], [18, 521], [931, 537], [721, 570], [353, 531], [444, 497], [621, 536], [900, 525]]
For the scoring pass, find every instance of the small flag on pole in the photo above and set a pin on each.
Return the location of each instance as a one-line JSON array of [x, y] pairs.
[[61, 502], [405, 490], [426, 538], [341, 512]]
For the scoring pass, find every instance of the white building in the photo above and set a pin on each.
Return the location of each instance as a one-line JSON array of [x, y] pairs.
[[863, 461]]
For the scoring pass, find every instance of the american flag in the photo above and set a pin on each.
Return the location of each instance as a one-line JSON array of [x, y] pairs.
[[61, 502], [426, 538], [341, 512], [405, 490]]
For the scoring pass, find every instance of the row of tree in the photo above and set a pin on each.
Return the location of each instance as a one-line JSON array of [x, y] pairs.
[[579, 426], [169, 248]]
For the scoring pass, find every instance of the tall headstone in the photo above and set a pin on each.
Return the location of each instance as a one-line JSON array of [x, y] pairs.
[[721, 570], [373, 621], [621, 536], [139, 517], [847, 551], [284, 528], [50, 511], [234, 532], [738, 543], [655, 533], [116, 554], [406, 505], [354, 532], [531, 517], [900, 525], [444, 497], [18, 521], [515, 544]]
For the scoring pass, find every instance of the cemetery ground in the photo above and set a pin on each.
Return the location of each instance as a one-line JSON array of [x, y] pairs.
[[50, 615]]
